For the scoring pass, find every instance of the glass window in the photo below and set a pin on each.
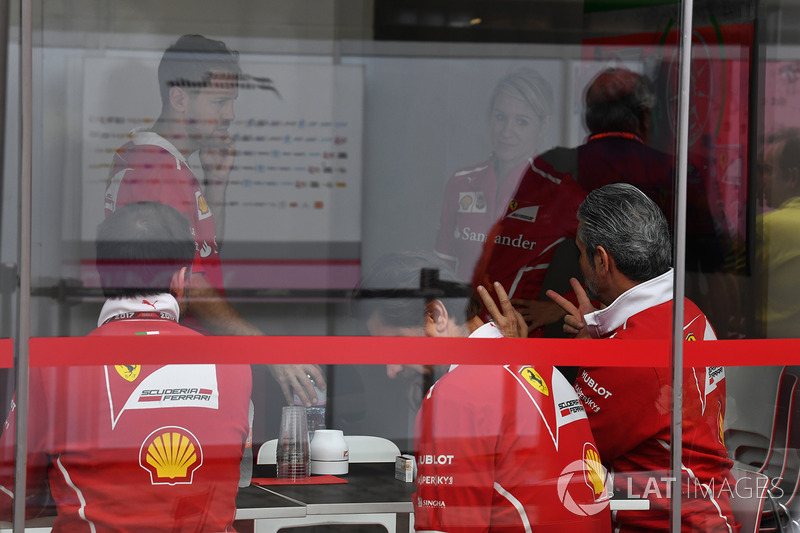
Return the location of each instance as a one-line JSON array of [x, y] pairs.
[[328, 185]]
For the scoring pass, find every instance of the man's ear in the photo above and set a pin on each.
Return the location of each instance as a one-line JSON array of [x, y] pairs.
[[180, 280], [178, 99], [602, 260], [436, 319]]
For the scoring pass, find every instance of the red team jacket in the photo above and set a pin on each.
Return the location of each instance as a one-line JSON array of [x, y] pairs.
[[473, 202], [132, 448], [520, 246], [629, 411], [506, 448], [150, 169]]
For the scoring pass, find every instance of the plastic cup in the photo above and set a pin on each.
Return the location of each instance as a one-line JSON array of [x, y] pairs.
[[293, 453]]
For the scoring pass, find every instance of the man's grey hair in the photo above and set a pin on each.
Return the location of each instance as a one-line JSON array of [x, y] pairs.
[[631, 228]]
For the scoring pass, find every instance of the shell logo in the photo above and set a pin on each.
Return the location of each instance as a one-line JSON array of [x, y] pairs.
[[202, 205], [594, 475], [171, 455]]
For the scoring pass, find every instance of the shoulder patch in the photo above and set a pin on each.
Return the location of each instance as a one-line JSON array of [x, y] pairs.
[[128, 372], [203, 211], [534, 379]]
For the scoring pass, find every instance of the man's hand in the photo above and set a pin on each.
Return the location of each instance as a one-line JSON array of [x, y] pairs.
[[507, 319], [220, 318], [538, 313], [407, 370], [296, 379], [217, 160], [217, 157], [574, 325]]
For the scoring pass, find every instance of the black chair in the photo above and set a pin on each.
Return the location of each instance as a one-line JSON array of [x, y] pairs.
[[782, 463]]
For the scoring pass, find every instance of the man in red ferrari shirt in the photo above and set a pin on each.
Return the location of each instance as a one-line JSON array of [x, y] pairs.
[[199, 82], [625, 258], [498, 447], [136, 447]]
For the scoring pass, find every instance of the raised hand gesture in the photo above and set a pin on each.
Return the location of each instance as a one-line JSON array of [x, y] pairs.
[[574, 326], [506, 318]]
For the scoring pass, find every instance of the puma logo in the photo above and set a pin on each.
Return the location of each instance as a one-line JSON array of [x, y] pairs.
[[153, 305]]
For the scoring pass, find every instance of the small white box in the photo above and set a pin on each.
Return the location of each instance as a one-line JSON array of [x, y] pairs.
[[404, 468]]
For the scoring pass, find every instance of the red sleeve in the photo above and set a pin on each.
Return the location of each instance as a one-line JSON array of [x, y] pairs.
[[37, 458], [455, 460], [625, 406], [7, 462]]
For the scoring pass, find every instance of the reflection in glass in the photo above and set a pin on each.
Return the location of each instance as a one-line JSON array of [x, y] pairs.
[[136, 446]]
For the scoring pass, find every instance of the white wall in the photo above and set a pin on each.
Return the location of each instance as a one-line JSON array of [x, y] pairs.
[[425, 115]]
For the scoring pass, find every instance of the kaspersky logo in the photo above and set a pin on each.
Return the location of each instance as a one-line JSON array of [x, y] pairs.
[[171, 455], [595, 476]]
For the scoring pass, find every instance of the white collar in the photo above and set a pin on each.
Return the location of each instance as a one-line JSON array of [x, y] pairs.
[[486, 331], [142, 136], [157, 303], [643, 296]]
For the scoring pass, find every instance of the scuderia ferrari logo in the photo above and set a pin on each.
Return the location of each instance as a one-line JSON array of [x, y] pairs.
[[128, 372]]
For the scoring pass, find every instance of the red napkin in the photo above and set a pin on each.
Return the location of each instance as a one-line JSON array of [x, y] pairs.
[[313, 480]]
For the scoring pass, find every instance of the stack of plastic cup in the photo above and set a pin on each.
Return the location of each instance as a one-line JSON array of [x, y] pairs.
[[292, 455]]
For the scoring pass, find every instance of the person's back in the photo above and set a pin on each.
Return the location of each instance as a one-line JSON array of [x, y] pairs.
[[498, 448], [631, 420], [625, 258], [507, 448], [140, 446], [126, 446]]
